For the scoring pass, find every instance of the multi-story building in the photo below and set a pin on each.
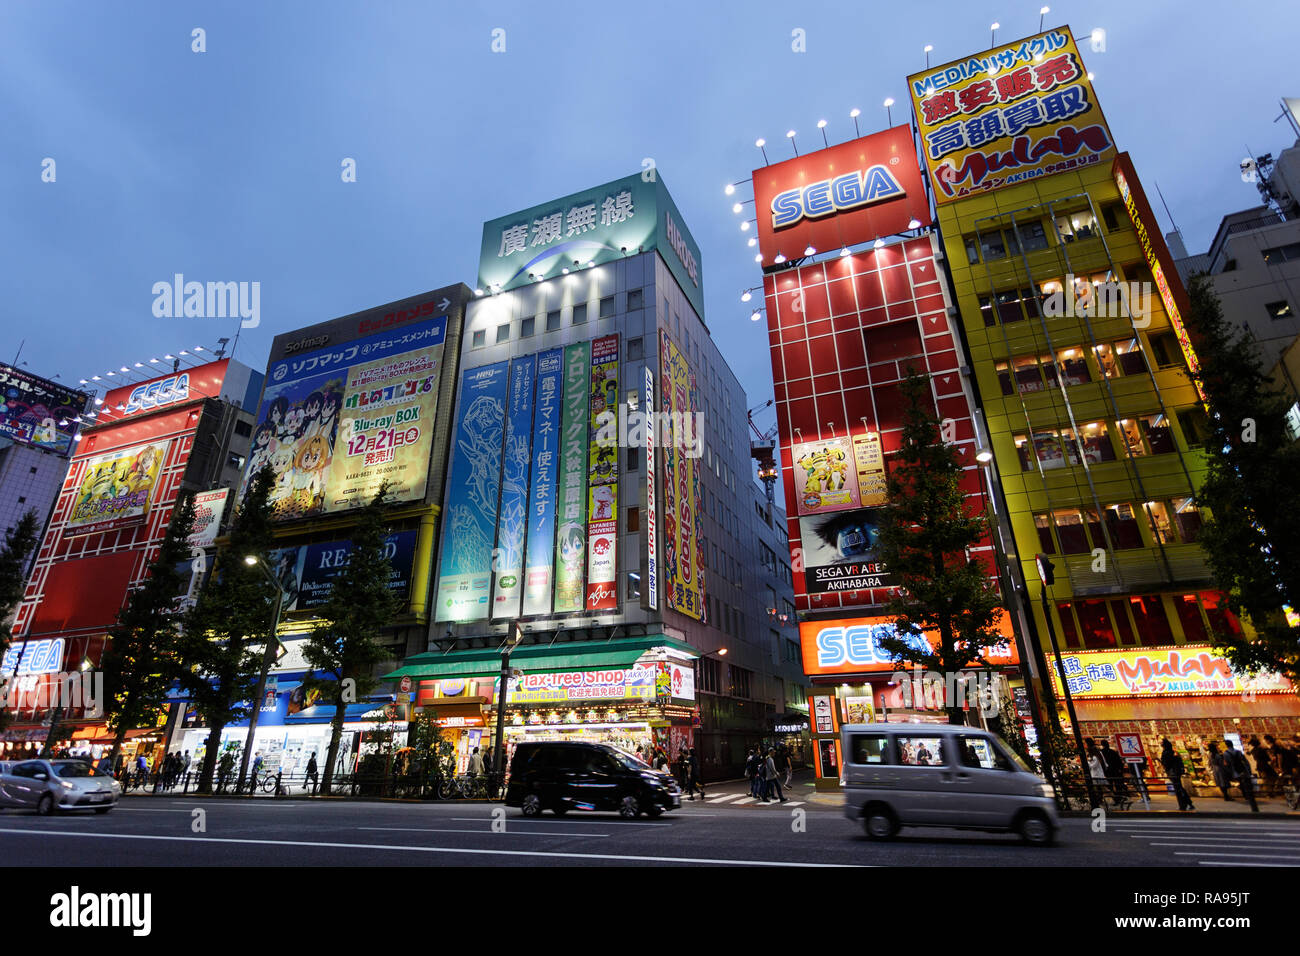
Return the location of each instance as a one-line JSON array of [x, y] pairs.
[[38, 431], [624, 551], [347, 404], [185, 432], [1072, 313]]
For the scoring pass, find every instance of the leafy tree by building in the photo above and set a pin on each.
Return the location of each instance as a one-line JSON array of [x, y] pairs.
[[1251, 537], [19, 542], [221, 644], [344, 648], [927, 530], [139, 662]]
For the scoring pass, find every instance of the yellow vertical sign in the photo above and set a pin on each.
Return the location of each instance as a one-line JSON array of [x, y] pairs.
[[870, 462]]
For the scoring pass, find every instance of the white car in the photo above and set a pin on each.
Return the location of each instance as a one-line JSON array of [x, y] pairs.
[[49, 785]]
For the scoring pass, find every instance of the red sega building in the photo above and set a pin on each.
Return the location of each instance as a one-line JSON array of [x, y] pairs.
[[152, 439], [844, 332]]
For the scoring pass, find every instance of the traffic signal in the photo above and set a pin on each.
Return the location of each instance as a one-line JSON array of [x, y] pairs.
[[1046, 570]]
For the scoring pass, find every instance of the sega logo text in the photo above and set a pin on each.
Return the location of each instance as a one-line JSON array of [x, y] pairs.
[[858, 645], [162, 392], [850, 191]]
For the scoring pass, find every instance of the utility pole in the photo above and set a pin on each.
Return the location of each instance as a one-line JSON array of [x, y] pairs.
[[498, 748]]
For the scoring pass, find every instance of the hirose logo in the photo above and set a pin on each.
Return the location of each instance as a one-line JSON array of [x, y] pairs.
[[212, 300], [76, 909], [1080, 297], [73, 691], [630, 428]]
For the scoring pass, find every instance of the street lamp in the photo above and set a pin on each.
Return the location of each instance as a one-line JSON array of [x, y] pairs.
[[273, 650], [513, 635]]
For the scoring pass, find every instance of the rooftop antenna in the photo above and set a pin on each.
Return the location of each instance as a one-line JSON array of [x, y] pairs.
[[1167, 212]]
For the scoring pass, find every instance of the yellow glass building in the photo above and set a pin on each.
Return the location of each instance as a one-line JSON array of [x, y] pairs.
[[1073, 331]]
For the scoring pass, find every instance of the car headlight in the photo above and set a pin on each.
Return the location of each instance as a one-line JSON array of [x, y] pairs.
[[65, 785], [1045, 789]]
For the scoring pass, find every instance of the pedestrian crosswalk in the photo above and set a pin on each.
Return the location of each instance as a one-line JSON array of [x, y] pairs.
[[744, 799], [1221, 842]]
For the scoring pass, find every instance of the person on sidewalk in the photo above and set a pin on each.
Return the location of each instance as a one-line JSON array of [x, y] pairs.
[[1113, 764], [697, 779], [1263, 758], [1219, 768], [772, 778], [1241, 773], [787, 763], [1175, 770], [476, 768], [312, 777]]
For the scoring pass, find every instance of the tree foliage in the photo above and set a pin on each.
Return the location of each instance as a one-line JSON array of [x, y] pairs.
[[19, 542], [926, 532], [1251, 537]]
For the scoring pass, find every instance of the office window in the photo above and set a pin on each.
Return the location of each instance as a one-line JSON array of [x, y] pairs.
[[607, 307], [635, 299], [1043, 525], [635, 350], [1094, 623], [1032, 236], [235, 461], [972, 249], [1122, 526], [992, 246], [634, 459], [1147, 435], [1076, 226], [1071, 531], [633, 520], [1073, 366], [1195, 425], [1188, 610], [1287, 253], [1112, 215], [1280, 310], [526, 327], [1121, 358], [1168, 353], [633, 586], [1068, 630], [503, 333], [1150, 620], [479, 339], [553, 320], [580, 313], [243, 429], [1174, 521]]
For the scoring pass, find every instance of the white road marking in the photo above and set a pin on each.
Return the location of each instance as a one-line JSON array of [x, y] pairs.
[[1227, 838], [794, 803], [743, 801], [1224, 863], [424, 849], [507, 831], [725, 798], [1218, 845], [1247, 856], [530, 822]]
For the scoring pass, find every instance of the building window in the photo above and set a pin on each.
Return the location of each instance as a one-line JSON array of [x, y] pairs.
[[1073, 366], [235, 461], [708, 674], [1287, 253], [243, 429], [1043, 525], [1068, 630], [1195, 425], [607, 307], [1095, 623], [503, 333], [1175, 521], [635, 350], [1122, 526], [1222, 620], [633, 520], [527, 327], [1280, 310], [479, 339], [1120, 358], [633, 586], [635, 299], [1110, 215], [1033, 236], [1151, 621], [1188, 610], [1071, 531], [972, 250], [1076, 226], [1168, 353], [1147, 435], [553, 319], [634, 459]]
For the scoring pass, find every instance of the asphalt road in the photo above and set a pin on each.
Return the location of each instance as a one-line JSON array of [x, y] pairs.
[[164, 831]]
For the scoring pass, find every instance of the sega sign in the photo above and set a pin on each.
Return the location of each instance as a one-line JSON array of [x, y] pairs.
[[33, 657], [850, 191], [853, 645], [159, 392], [841, 196]]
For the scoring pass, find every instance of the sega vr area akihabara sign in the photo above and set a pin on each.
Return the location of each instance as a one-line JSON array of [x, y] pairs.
[[841, 196], [1013, 114], [603, 224]]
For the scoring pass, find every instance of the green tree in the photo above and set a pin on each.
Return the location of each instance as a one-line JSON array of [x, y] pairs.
[[344, 649], [221, 644], [139, 662], [20, 541], [926, 531], [1251, 537]]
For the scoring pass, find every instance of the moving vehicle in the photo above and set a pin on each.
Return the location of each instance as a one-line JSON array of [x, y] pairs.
[[563, 776], [939, 775], [49, 785]]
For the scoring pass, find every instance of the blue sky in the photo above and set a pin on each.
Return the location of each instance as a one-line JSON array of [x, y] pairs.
[[225, 165]]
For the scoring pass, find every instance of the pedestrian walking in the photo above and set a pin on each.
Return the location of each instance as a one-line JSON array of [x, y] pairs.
[[772, 778], [751, 773], [1240, 769], [311, 772], [785, 764], [1220, 771], [697, 779], [1096, 770], [1113, 765], [1263, 757], [682, 770], [475, 764], [1175, 770]]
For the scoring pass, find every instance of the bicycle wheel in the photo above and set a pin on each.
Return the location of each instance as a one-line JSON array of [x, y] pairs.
[[445, 790]]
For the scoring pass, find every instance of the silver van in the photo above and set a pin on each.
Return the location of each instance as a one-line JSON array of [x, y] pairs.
[[941, 775]]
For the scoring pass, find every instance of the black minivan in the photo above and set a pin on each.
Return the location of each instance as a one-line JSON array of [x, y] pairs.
[[562, 776]]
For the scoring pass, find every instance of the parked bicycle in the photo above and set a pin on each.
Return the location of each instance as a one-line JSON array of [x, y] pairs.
[[465, 785]]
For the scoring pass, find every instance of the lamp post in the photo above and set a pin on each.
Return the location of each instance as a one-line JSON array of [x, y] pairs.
[[498, 747], [268, 658]]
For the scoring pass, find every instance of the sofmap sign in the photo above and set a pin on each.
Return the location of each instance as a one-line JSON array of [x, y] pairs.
[[848, 194], [1016, 113], [1188, 670], [853, 646], [603, 224]]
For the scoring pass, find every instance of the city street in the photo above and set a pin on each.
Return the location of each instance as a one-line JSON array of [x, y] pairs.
[[153, 831]]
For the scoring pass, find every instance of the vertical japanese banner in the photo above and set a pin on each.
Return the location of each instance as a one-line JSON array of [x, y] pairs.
[[650, 566], [508, 559], [469, 523], [690, 504], [571, 499], [541, 510], [602, 477], [870, 463], [684, 590]]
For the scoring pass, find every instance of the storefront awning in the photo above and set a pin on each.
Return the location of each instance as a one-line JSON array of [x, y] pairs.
[[536, 658]]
